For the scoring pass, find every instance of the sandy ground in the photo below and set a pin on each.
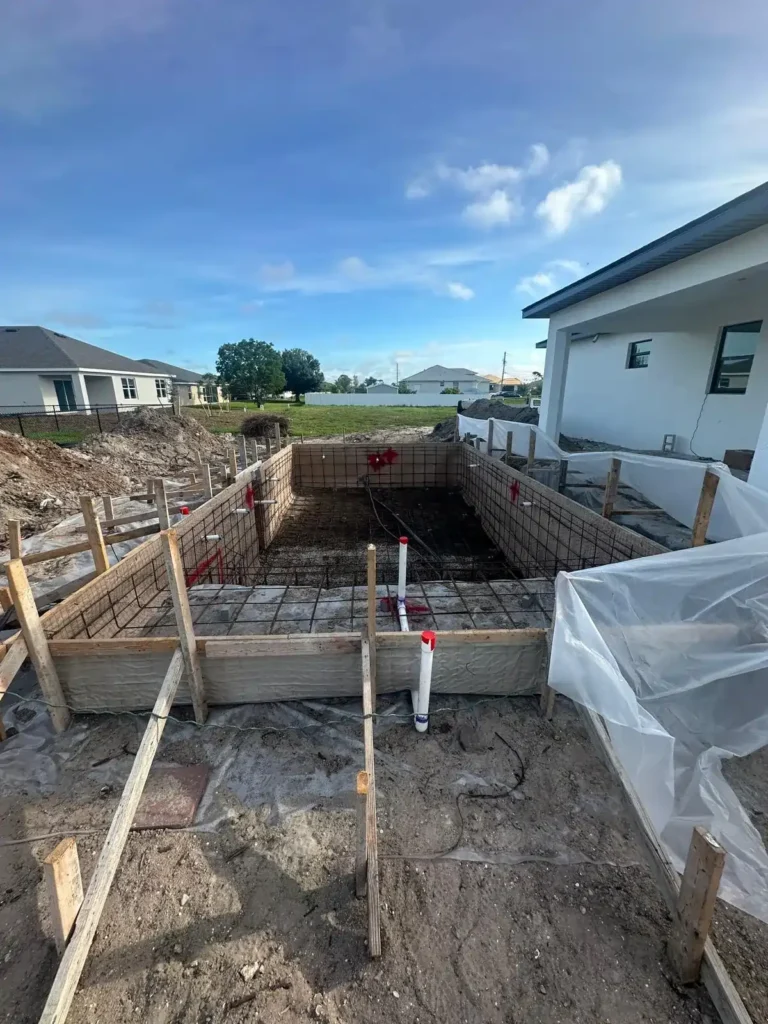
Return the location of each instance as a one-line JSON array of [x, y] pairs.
[[512, 887]]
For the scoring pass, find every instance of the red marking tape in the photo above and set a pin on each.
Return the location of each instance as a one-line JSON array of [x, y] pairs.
[[514, 491]]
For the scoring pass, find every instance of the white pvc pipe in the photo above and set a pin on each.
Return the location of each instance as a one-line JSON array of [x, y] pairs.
[[401, 606], [420, 697]]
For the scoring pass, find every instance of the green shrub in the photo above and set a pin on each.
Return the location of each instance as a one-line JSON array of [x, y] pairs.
[[261, 424]]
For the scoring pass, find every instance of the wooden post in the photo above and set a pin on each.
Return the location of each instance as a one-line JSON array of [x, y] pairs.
[[178, 588], [232, 456], [467, 438], [562, 476], [14, 538], [508, 455], [531, 450], [6, 601], [243, 445], [207, 482], [37, 643], [268, 445], [372, 611], [109, 508], [278, 438], [704, 510], [161, 500], [696, 904], [489, 446], [361, 861], [71, 967], [150, 492], [371, 837], [65, 890], [94, 534], [254, 451], [611, 487], [547, 696]]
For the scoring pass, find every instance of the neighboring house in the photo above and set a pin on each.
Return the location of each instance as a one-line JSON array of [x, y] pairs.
[[671, 339], [435, 378], [381, 389], [509, 383], [189, 386], [43, 369]]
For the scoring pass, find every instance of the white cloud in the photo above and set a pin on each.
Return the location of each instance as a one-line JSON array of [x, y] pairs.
[[354, 268], [588, 195], [536, 284], [457, 290], [480, 180], [539, 159], [497, 208], [278, 273], [570, 266], [419, 188]]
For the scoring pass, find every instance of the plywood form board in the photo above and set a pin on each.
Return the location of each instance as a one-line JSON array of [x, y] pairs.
[[494, 664], [340, 466], [538, 528]]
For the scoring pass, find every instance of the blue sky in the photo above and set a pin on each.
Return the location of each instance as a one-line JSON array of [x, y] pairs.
[[378, 181]]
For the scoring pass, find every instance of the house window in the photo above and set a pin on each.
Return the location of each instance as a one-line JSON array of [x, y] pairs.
[[129, 387], [735, 353], [455, 383], [190, 396], [161, 387], [637, 357]]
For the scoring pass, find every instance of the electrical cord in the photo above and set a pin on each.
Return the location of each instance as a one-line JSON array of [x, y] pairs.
[[698, 420]]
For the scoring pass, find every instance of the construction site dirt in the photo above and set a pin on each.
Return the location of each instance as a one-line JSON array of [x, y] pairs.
[[512, 886]]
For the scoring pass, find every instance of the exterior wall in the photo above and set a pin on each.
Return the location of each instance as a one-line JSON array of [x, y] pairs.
[[18, 390], [145, 390], [381, 389], [101, 390], [434, 387], [426, 399], [605, 401]]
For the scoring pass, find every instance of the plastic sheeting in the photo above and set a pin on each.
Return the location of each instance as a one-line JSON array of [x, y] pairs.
[[670, 483], [672, 651]]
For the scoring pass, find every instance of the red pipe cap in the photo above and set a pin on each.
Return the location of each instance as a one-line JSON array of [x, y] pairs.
[[428, 637], [403, 540], [184, 510]]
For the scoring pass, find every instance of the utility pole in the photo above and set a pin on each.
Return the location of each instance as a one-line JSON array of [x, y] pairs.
[[397, 374], [503, 369]]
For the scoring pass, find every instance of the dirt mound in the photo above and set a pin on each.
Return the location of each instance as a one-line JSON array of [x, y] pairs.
[[484, 409], [151, 442], [40, 483]]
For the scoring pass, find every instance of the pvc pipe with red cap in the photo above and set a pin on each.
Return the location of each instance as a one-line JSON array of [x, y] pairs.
[[401, 608], [420, 697]]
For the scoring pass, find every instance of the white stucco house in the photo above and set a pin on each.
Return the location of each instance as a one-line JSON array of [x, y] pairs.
[[381, 389], [671, 339], [435, 378], [188, 386]]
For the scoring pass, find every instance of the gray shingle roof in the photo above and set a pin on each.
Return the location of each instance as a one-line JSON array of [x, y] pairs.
[[182, 376], [37, 348], [438, 372]]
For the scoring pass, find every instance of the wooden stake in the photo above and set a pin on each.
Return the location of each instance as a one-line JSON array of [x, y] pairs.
[[14, 538], [94, 534], [562, 476], [150, 492], [37, 643], [268, 445], [361, 861], [611, 487], [65, 890], [254, 451], [161, 500], [696, 904], [181, 607], [278, 438], [489, 446], [508, 456], [243, 445], [372, 611], [547, 698], [704, 510], [71, 967], [207, 482], [232, 455], [6, 601], [371, 837], [109, 508], [531, 450]]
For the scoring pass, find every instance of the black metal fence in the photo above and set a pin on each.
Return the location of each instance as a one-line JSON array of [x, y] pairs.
[[35, 420]]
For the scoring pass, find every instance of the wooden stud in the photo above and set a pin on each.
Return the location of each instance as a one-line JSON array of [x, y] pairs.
[[371, 567], [696, 904], [131, 517], [508, 455], [268, 445], [14, 658], [611, 488], [232, 458], [207, 482], [161, 500], [704, 510], [37, 644], [93, 532], [109, 508], [14, 538], [562, 477], [639, 512], [66, 549], [243, 446], [139, 531], [489, 445], [61, 869], [6, 601], [371, 843], [361, 860], [547, 699], [178, 588], [71, 967], [150, 492], [254, 452], [278, 438], [531, 450]]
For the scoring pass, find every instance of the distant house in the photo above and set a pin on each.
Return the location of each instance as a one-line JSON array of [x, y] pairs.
[[189, 386], [509, 383], [435, 378], [381, 389], [43, 369]]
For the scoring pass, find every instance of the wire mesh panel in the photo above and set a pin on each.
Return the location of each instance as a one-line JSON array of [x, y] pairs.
[[345, 466]]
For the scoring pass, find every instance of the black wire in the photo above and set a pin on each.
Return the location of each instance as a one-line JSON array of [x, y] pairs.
[[698, 419]]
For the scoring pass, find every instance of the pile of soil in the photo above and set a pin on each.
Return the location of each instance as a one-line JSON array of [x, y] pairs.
[[484, 409], [40, 483], [153, 443]]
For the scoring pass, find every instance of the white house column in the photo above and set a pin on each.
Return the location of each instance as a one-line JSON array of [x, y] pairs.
[[758, 474], [81, 392], [555, 371]]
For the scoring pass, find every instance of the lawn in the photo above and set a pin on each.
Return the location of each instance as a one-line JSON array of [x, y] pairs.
[[322, 420]]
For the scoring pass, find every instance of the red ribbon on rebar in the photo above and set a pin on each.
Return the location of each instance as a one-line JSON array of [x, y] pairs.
[[514, 491], [389, 604], [378, 459], [249, 499]]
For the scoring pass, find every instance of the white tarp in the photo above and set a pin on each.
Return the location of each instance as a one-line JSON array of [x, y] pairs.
[[672, 484], [672, 651]]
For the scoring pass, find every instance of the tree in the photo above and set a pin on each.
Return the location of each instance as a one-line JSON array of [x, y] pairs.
[[209, 382], [344, 384], [403, 389], [533, 388], [302, 371], [357, 387], [370, 381], [329, 387], [251, 370]]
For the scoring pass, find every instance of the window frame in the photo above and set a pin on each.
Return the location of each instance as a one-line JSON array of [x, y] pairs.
[[162, 389], [632, 353], [714, 389], [128, 384]]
